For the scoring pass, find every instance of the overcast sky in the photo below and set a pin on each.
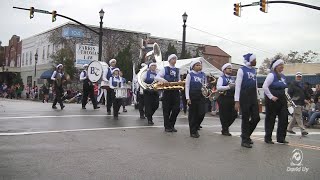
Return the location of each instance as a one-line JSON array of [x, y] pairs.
[[285, 27]]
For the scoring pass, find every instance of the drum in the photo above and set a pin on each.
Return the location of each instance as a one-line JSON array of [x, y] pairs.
[[121, 93], [95, 71]]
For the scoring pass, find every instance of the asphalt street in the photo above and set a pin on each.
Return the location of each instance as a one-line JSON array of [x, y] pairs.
[[37, 142]]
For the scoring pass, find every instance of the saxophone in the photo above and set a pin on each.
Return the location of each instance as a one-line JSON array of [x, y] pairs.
[[206, 92]]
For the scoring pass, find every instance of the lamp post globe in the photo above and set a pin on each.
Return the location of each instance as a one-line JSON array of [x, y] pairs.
[[101, 14], [184, 17]]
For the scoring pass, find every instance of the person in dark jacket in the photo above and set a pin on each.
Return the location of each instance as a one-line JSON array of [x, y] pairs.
[[297, 94]]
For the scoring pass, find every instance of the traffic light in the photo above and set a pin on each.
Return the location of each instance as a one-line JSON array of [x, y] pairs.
[[237, 8], [54, 15], [31, 12], [263, 6]]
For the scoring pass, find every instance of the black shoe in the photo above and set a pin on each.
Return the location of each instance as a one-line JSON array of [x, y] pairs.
[[174, 130], [195, 135], [62, 107], [150, 122], [247, 145], [304, 133], [269, 142], [54, 107], [124, 110], [142, 117], [84, 108], [115, 117], [226, 133], [250, 141], [168, 130], [283, 142], [109, 113], [97, 107], [291, 132]]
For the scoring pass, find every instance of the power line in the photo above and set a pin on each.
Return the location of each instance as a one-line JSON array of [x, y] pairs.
[[229, 40]]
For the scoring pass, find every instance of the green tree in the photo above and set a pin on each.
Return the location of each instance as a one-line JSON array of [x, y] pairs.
[[124, 62], [65, 56], [171, 50]]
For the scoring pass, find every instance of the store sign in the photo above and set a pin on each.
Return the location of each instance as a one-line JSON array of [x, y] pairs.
[[85, 54], [72, 32]]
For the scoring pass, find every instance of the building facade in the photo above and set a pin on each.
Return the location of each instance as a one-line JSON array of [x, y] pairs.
[[84, 45]]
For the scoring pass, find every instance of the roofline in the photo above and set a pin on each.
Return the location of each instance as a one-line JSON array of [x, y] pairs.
[[178, 41], [91, 26], [218, 55]]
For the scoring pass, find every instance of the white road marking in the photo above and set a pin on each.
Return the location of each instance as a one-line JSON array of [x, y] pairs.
[[85, 115], [134, 127]]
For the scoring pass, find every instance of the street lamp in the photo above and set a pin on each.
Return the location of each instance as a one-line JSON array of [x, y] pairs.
[[35, 67], [184, 18], [101, 13]]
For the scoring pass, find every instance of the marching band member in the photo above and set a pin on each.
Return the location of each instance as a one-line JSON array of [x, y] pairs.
[[171, 98], [196, 101], [106, 76], [151, 97], [115, 82], [246, 98], [57, 76], [88, 89], [276, 103], [140, 97], [124, 102], [227, 112]]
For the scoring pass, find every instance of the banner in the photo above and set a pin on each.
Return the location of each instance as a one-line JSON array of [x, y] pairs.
[[85, 54]]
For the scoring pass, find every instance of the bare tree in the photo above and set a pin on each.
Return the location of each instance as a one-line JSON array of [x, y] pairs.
[[291, 58]]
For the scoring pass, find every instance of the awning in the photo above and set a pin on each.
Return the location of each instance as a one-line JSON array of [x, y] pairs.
[[46, 74]]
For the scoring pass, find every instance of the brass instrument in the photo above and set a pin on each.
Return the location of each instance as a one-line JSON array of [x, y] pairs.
[[291, 104], [208, 93], [205, 91], [156, 53], [169, 85], [58, 79]]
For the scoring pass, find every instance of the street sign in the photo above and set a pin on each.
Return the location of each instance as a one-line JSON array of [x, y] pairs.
[[255, 4]]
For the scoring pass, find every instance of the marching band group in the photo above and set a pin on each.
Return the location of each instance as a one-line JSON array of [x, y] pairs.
[[236, 95]]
